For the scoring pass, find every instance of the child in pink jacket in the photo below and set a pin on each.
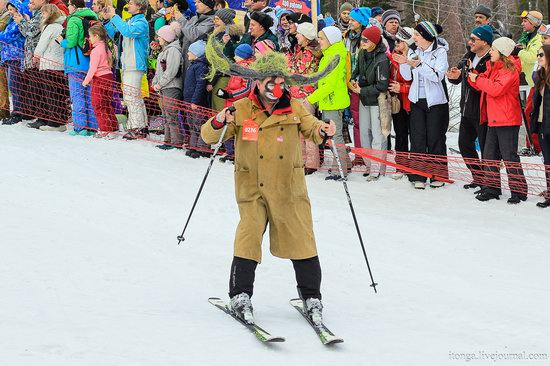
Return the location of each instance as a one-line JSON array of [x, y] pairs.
[[100, 75]]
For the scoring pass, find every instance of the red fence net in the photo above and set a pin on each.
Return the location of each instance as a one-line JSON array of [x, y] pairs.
[[57, 97]]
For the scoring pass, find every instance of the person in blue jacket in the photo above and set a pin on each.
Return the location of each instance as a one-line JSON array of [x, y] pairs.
[[12, 43], [135, 49], [195, 93], [76, 67]]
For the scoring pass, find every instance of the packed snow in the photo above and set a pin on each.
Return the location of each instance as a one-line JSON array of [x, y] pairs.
[[91, 273]]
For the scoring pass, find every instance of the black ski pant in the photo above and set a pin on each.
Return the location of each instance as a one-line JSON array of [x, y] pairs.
[[502, 142], [428, 135], [470, 129], [401, 125], [308, 277], [544, 140]]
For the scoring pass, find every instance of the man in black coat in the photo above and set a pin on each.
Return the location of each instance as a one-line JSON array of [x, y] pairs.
[[470, 127]]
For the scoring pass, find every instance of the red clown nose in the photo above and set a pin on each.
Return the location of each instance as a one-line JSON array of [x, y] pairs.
[[277, 90]]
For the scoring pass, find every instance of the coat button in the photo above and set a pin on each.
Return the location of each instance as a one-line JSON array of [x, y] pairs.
[[280, 157], [282, 128], [261, 129], [261, 184], [261, 156], [295, 118]]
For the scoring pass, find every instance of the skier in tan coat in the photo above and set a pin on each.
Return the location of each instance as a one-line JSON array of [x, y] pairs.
[[269, 176]]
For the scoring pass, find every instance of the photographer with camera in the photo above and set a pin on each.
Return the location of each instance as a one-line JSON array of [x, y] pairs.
[[470, 127]]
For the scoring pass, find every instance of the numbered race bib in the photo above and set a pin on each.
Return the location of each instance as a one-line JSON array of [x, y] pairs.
[[250, 130]]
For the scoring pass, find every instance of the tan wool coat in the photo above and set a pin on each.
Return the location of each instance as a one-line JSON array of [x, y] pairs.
[[269, 181]]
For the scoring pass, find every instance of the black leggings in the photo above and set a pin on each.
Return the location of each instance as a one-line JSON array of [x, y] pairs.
[[428, 133], [308, 277]]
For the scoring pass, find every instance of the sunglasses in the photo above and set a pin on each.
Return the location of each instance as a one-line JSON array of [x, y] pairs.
[[540, 54]]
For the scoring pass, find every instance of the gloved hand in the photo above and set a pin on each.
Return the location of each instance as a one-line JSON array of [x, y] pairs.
[[223, 94], [226, 115]]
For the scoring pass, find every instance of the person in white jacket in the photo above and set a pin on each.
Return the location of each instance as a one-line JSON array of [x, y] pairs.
[[54, 85], [429, 118]]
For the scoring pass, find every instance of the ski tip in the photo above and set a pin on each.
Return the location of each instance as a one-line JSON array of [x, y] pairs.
[[275, 340], [334, 341]]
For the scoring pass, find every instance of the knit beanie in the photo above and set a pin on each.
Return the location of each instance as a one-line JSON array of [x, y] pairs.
[[333, 34], [307, 30], [376, 11], [346, 7], [373, 34], [167, 33], [405, 34], [176, 26], [361, 15], [504, 45], [428, 30], [279, 12], [484, 32], [244, 51], [544, 30], [197, 48], [484, 10], [299, 18], [329, 21], [265, 20], [534, 17], [209, 3], [390, 14], [226, 15], [159, 23], [265, 46]]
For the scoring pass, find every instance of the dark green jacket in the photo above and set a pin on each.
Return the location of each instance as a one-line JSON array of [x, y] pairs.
[[372, 74]]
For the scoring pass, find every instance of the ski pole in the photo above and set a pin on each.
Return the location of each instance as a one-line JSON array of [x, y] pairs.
[[217, 147], [337, 157]]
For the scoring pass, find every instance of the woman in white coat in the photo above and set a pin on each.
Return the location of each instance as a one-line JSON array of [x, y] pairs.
[[49, 55], [429, 118]]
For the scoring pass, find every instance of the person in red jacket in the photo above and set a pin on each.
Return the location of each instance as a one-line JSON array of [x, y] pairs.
[[237, 88], [400, 87], [501, 109]]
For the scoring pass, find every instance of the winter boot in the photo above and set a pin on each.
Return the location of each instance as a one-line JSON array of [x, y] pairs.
[[517, 198], [37, 124], [242, 307], [373, 177], [437, 184], [314, 311], [544, 204], [487, 196]]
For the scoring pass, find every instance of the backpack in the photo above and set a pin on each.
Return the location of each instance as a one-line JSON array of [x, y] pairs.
[[88, 22]]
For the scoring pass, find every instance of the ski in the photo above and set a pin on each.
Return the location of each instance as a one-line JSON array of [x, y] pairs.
[[260, 333], [325, 335]]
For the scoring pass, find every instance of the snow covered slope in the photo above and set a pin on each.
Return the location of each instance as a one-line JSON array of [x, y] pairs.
[[90, 272]]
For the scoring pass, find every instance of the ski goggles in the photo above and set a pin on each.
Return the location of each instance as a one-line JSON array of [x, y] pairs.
[[527, 15]]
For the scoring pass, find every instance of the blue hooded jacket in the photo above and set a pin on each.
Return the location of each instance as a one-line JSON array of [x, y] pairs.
[[11, 40], [195, 82]]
